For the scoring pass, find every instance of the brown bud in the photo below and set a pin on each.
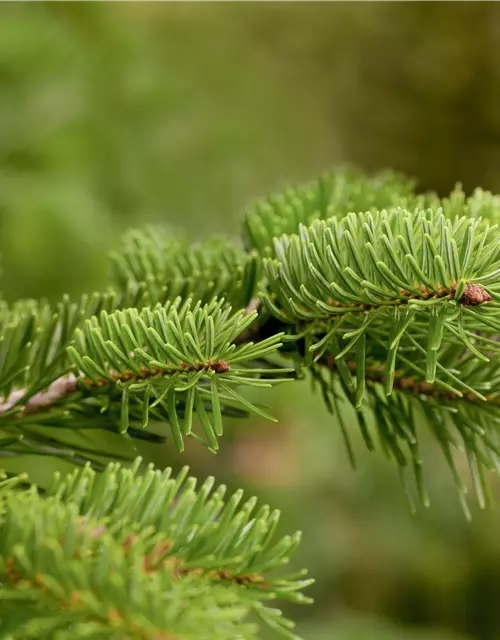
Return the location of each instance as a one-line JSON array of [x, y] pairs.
[[474, 294], [221, 366]]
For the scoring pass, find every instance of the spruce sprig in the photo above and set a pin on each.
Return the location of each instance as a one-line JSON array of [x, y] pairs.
[[389, 300], [177, 357], [123, 554]]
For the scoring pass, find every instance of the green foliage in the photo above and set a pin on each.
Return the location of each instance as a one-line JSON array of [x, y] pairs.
[[41, 345], [98, 131], [396, 312], [171, 267], [392, 312], [122, 555], [333, 194], [171, 355], [388, 278]]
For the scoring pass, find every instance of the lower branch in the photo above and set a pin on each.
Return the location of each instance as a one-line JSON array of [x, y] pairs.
[[376, 373]]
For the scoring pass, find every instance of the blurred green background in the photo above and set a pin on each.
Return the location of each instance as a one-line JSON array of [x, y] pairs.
[[122, 114]]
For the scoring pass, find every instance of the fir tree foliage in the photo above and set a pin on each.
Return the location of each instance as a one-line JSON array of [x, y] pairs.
[[170, 267], [388, 300], [332, 194], [170, 355], [396, 312], [123, 555], [131, 368]]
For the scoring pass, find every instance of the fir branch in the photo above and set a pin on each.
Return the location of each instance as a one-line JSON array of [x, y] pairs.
[[140, 557], [169, 267], [135, 367], [396, 315], [403, 299], [376, 373], [372, 260], [335, 193], [177, 353]]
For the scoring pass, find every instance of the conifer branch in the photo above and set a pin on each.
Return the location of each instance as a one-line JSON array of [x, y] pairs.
[[106, 550], [376, 374], [388, 299]]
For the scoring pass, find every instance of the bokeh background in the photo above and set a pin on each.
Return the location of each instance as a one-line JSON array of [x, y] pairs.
[[122, 114]]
